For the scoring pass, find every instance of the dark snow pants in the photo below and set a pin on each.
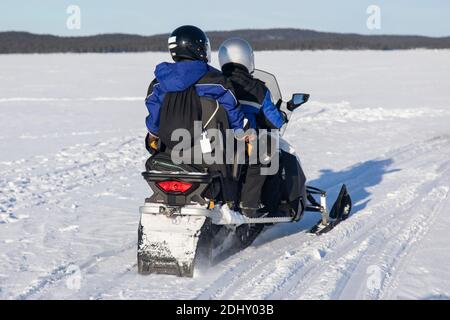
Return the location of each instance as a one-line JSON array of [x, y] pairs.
[[252, 186]]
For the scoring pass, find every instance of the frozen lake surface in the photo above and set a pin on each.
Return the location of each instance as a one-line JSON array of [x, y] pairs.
[[71, 154]]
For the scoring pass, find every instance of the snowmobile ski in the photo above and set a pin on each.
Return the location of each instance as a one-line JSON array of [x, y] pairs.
[[339, 211]]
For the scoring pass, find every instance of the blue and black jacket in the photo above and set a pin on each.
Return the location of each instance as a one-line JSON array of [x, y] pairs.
[[254, 97], [183, 76]]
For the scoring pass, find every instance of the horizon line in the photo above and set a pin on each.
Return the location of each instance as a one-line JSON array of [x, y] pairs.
[[232, 30]]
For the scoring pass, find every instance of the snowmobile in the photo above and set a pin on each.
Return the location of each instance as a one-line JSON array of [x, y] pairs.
[[185, 224]]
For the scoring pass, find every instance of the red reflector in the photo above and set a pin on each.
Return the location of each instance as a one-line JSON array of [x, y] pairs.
[[174, 186]]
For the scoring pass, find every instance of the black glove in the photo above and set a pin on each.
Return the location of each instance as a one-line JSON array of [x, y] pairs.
[[278, 104], [151, 144]]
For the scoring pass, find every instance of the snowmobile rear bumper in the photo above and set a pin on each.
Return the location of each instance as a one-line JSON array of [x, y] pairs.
[[168, 245]]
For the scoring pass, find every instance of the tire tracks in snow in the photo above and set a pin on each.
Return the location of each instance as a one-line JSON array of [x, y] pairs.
[[232, 278], [325, 265], [409, 237], [47, 180], [60, 273], [52, 180], [322, 267], [400, 226]]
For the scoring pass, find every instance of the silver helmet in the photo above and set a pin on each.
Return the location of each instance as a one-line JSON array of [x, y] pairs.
[[239, 51]]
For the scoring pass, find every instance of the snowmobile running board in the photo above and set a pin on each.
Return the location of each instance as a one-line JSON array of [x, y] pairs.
[[219, 216]]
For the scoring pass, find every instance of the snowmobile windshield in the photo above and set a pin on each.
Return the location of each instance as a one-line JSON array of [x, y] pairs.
[[271, 83]]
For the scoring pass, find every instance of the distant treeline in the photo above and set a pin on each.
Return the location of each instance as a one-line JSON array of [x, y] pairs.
[[270, 39]]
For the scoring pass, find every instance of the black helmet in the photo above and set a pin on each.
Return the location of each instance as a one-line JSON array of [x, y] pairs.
[[189, 42]]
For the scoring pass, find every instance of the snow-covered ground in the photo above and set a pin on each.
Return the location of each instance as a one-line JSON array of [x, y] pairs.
[[71, 153]]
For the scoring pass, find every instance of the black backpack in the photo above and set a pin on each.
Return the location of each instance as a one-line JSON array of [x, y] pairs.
[[179, 110]]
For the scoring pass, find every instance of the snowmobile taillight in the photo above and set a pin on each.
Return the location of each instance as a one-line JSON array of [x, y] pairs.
[[174, 186]]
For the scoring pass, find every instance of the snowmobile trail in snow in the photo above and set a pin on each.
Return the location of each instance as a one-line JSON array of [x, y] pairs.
[[325, 267], [60, 275], [383, 232], [39, 181], [298, 264], [53, 183]]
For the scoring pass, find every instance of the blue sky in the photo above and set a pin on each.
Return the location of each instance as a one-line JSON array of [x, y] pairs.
[[423, 17]]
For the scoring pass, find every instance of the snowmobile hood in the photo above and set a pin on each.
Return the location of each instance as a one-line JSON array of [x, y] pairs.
[[179, 76]]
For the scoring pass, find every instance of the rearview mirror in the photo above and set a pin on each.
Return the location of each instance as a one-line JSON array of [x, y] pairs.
[[297, 100]]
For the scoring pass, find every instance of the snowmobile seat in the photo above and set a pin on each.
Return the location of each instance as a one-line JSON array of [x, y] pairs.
[[162, 161]]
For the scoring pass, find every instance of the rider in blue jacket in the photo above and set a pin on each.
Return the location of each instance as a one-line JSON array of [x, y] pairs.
[[190, 49]]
